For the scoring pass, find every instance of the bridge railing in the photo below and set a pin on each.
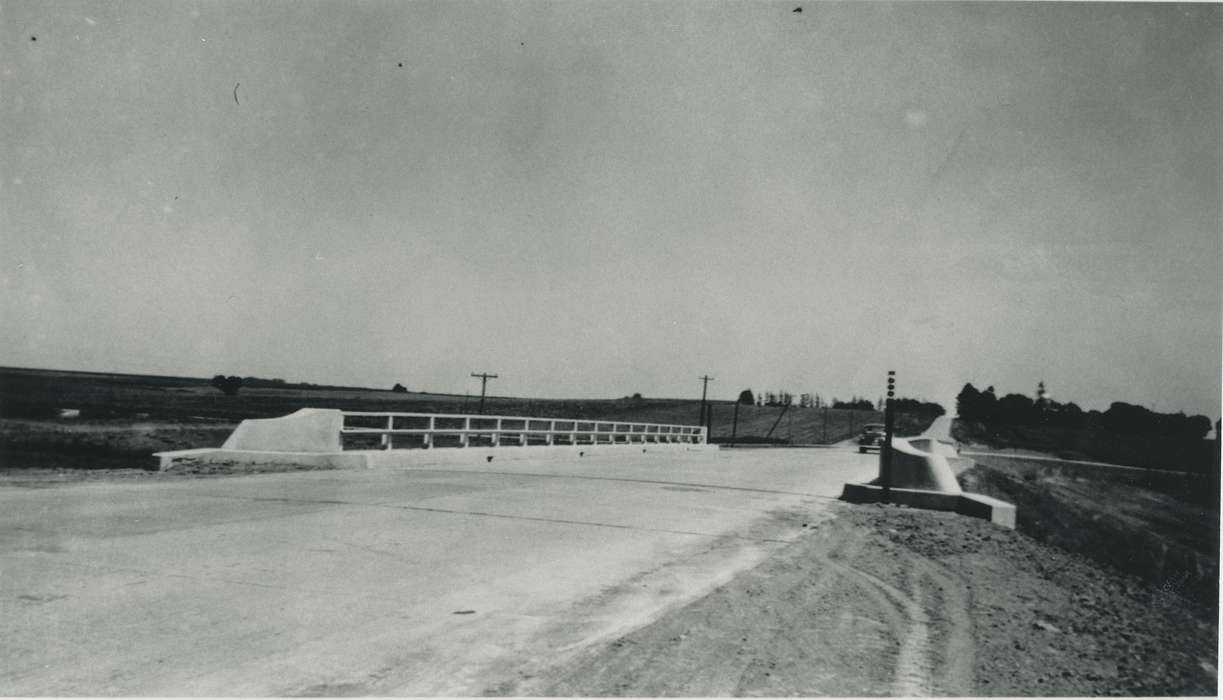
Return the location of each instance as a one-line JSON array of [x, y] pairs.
[[363, 430]]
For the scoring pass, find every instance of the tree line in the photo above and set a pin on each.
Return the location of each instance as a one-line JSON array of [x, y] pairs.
[[782, 398], [1122, 418]]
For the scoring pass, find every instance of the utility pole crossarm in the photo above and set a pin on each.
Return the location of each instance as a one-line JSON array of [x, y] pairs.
[[484, 377]]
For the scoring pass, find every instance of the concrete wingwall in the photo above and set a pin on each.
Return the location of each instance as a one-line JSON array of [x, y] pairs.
[[921, 463], [307, 430], [923, 475]]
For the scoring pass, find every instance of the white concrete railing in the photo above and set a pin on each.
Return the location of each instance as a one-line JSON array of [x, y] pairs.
[[388, 431]]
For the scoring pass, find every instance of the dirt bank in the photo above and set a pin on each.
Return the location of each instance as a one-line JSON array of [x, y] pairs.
[[893, 601], [1159, 531]]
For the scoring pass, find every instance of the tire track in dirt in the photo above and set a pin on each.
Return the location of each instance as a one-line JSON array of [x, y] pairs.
[[910, 622], [842, 612], [933, 594]]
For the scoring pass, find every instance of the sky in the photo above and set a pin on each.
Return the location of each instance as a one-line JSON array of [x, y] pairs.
[[593, 199]]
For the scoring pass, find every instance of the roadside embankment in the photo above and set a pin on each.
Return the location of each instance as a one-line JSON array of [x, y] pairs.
[[888, 600], [1161, 533]]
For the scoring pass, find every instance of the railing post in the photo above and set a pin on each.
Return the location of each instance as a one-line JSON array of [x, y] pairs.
[[386, 437], [551, 431], [497, 434], [466, 427], [427, 443]]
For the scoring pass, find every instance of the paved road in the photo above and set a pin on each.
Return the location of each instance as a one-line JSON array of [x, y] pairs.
[[423, 581]]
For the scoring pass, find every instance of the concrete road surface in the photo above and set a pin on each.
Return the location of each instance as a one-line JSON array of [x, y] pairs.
[[422, 581]]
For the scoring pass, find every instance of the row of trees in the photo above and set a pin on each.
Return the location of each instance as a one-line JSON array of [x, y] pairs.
[[769, 398], [1127, 418], [1018, 409], [918, 407], [785, 398]]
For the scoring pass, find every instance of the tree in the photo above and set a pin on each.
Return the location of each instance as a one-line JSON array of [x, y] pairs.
[[1070, 415], [228, 385], [746, 397], [399, 389], [967, 402], [855, 404], [917, 407], [1197, 427], [1128, 419], [1015, 409], [987, 406]]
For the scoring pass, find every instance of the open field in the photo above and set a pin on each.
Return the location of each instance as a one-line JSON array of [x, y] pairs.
[[123, 419]]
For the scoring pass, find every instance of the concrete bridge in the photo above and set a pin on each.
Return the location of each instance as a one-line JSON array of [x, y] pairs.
[[356, 439]]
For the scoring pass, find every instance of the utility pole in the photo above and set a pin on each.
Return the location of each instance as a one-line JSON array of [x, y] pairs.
[[704, 390], [734, 426], [484, 377]]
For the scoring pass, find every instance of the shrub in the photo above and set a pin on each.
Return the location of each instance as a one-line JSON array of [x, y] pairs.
[[228, 385]]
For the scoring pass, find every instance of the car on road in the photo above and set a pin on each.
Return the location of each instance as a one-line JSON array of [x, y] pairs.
[[872, 437]]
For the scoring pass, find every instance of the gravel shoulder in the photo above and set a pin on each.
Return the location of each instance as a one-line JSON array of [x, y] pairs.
[[895, 601]]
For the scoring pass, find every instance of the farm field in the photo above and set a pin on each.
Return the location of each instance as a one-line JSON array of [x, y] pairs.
[[119, 420]]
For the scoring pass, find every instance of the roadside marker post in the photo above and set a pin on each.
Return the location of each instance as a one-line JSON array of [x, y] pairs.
[[885, 455]]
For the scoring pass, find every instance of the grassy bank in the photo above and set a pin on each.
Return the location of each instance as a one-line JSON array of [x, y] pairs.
[[1166, 533], [1095, 444]]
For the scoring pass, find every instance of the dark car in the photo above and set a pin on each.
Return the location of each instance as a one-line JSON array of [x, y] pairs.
[[872, 438]]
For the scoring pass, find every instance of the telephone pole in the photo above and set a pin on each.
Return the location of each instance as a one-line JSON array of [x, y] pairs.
[[484, 377], [704, 390]]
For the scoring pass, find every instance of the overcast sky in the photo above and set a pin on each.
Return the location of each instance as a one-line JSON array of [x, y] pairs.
[[593, 199]]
